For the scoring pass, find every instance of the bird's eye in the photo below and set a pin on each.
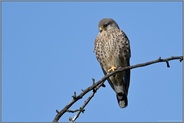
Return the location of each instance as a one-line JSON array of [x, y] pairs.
[[105, 25]]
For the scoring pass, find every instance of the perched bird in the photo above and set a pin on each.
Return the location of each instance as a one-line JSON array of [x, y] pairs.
[[112, 49]]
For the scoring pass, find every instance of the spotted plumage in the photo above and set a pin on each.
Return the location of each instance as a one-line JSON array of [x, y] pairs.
[[112, 50]]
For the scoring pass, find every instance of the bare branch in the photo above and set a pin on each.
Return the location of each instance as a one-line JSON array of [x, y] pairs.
[[73, 111], [96, 85], [86, 102]]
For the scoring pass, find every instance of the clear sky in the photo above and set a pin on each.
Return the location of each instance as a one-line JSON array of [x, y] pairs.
[[47, 51]]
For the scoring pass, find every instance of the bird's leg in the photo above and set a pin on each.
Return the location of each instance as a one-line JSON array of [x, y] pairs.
[[112, 69]]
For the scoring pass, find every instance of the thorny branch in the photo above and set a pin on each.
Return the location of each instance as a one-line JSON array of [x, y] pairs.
[[96, 85]]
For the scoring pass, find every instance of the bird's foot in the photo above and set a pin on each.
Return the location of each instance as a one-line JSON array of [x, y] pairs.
[[113, 68]]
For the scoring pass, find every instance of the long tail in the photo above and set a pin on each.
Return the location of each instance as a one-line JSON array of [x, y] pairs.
[[122, 89], [122, 100]]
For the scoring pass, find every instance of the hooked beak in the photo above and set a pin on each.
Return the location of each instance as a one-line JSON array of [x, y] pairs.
[[101, 28]]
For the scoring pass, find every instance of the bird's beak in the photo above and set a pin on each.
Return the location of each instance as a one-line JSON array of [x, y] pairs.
[[101, 28]]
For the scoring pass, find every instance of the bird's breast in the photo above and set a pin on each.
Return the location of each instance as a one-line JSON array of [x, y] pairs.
[[108, 50]]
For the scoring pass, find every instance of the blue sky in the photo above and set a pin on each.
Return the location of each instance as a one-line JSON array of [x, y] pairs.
[[47, 54]]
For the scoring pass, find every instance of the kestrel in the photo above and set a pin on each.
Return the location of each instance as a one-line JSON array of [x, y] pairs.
[[112, 50]]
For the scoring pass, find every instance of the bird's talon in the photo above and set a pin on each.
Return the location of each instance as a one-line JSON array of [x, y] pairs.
[[113, 68]]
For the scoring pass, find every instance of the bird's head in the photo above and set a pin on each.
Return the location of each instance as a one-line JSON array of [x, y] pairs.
[[107, 23]]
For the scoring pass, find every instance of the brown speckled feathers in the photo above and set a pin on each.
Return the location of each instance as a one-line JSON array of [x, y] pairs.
[[112, 50]]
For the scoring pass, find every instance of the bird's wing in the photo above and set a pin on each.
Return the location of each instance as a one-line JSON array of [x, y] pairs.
[[126, 54]]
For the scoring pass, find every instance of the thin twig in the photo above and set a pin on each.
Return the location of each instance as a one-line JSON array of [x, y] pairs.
[[73, 111], [85, 103], [102, 80]]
